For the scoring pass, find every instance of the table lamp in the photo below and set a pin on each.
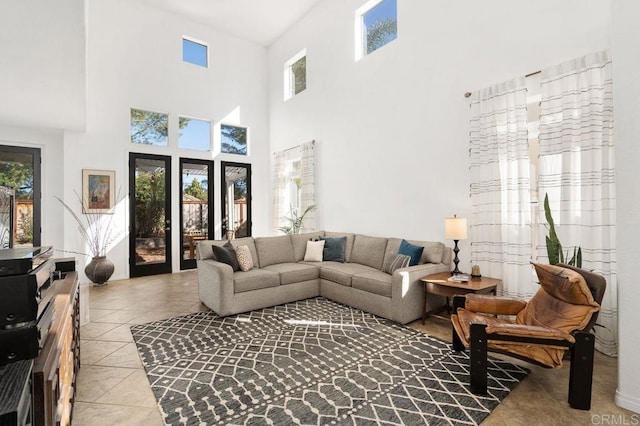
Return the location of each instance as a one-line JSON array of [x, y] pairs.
[[455, 228]]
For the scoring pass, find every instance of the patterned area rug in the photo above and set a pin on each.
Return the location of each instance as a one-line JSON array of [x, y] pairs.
[[310, 362]]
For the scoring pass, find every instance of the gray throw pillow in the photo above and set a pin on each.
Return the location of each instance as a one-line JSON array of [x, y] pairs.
[[395, 261], [226, 254], [334, 249]]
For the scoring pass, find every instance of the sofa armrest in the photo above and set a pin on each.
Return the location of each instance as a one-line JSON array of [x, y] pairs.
[[407, 291], [215, 285]]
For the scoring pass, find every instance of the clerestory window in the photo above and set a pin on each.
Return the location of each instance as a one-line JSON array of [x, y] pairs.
[[295, 75], [376, 26]]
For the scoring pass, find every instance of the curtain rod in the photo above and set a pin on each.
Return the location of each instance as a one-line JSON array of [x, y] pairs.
[[467, 94], [313, 142]]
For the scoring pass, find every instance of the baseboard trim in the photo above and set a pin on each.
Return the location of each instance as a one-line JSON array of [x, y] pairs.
[[628, 402]]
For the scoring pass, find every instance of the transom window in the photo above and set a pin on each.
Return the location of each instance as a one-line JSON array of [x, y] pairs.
[[295, 75], [149, 128], [233, 139], [376, 26], [195, 52], [194, 134]]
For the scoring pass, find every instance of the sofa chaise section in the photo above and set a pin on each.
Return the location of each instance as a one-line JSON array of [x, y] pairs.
[[397, 296], [281, 275]]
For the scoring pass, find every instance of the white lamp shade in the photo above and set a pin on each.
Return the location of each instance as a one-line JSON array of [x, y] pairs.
[[455, 228]]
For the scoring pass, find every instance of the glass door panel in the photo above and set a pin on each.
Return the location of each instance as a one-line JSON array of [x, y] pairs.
[[20, 174], [196, 207], [236, 200], [150, 237]]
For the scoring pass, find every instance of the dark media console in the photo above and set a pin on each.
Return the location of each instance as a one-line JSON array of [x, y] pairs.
[[39, 337], [26, 308]]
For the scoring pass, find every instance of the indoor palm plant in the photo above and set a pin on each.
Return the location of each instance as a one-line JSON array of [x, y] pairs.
[[294, 221], [96, 230]]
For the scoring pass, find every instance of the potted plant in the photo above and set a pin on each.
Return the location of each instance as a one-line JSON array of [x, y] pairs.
[[97, 232], [554, 248], [294, 221]]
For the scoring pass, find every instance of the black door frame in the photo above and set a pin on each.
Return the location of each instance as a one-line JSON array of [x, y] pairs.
[[191, 263], [136, 270], [223, 198], [37, 188]]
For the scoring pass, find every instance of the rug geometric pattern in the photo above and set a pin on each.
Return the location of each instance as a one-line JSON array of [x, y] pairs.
[[312, 362]]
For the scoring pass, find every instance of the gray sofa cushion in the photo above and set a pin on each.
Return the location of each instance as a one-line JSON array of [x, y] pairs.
[[299, 242], [294, 272], [204, 248], [348, 247], [272, 250], [255, 279], [376, 282], [369, 251], [433, 251], [341, 273], [249, 242]]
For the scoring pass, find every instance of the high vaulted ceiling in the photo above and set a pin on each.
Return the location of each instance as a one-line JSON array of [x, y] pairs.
[[260, 21]]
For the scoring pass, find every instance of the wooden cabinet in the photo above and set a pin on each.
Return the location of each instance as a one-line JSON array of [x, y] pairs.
[[15, 393], [56, 368]]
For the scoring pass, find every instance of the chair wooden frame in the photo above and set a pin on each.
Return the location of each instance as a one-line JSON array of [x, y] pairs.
[[582, 356], [581, 351]]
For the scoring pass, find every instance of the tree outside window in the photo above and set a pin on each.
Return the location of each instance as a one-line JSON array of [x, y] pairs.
[[377, 23], [295, 75], [233, 140]]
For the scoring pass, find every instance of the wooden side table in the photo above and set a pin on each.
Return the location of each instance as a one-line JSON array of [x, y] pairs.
[[438, 284]]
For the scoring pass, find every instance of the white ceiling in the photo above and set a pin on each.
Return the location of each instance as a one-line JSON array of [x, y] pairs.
[[260, 21]]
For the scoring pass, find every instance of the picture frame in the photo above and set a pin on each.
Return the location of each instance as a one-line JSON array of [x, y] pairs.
[[98, 191]]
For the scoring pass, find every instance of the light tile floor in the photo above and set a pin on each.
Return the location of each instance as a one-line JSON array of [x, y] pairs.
[[113, 388]]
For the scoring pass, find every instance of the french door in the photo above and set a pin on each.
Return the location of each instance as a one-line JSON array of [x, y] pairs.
[[150, 214], [20, 175], [196, 207], [236, 200]]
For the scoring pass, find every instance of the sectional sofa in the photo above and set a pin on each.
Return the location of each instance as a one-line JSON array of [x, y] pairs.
[[280, 275]]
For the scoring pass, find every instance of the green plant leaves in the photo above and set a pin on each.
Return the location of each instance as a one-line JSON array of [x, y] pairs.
[[554, 248]]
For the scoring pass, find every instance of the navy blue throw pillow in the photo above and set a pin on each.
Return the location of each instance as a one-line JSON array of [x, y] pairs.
[[226, 254], [415, 252], [334, 249]]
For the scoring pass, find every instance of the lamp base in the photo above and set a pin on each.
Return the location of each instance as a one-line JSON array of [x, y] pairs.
[[456, 250]]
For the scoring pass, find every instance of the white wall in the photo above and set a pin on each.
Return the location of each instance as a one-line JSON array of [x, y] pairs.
[[58, 73], [42, 64], [626, 63], [134, 59], [43, 90], [392, 129]]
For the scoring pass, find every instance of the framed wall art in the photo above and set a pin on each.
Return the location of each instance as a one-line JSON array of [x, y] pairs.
[[98, 191]]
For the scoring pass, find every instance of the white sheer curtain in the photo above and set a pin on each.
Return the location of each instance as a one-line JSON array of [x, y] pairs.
[[279, 189], [287, 178], [500, 226], [576, 170], [308, 184]]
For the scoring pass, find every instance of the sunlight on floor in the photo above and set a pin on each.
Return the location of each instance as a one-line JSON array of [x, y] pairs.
[[311, 322]]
